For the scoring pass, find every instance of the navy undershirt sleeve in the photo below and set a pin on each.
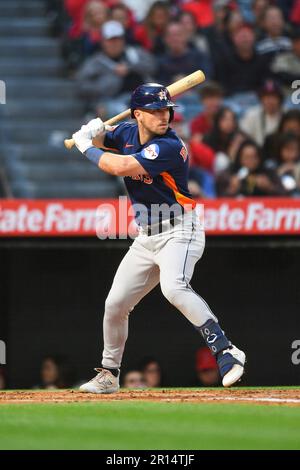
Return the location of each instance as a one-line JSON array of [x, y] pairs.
[[94, 155]]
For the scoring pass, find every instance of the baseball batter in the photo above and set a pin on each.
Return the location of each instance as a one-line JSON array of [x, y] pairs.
[[154, 164]]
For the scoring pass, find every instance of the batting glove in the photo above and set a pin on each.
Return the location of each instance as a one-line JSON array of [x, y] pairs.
[[83, 139], [96, 127]]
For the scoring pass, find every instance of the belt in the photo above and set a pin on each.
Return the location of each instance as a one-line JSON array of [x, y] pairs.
[[162, 226]]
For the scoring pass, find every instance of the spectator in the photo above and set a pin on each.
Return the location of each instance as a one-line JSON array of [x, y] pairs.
[[247, 176], [258, 10], [141, 8], [133, 379], [290, 123], [262, 120], [88, 38], [286, 6], [225, 138], [149, 34], [207, 368], [244, 70], [95, 15], [180, 125], [114, 72], [286, 65], [152, 374], [179, 59], [55, 373], [295, 13], [216, 33], [234, 22], [202, 155], [202, 10], [201, 180], [288, 159], [195, 39], [274, 39], [211, 95], [123, 15], [74, 9]]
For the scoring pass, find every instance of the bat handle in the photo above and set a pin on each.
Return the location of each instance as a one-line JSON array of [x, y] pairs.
[[69, 143]]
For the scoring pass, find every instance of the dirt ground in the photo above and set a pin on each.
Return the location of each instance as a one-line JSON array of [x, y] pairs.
[[258, 395]]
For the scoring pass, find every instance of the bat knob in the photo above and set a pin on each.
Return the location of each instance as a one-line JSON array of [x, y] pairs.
[[69, 143]]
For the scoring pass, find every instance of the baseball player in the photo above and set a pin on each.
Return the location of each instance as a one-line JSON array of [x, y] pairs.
[[171, 239]]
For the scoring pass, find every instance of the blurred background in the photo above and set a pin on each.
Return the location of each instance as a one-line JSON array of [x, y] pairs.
[[62, 62]]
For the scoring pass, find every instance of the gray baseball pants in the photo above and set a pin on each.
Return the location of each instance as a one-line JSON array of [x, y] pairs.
[[167, 258]]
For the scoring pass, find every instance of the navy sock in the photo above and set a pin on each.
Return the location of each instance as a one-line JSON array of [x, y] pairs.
[[213, 336]]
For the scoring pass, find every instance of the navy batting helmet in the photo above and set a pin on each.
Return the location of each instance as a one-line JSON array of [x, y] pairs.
[[151, 96]]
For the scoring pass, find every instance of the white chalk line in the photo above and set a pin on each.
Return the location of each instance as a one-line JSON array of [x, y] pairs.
[[268, 399]]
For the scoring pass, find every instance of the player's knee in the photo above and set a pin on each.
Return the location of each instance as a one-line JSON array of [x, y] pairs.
[[171, 291], [116, 307], [113, 306]]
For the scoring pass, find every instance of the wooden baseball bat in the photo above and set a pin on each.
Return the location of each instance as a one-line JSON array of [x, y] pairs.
[[174, 89]]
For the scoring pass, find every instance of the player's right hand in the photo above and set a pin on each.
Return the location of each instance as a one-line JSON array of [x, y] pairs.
[[96, 127]]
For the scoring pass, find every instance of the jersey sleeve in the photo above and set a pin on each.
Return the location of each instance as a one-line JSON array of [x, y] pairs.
[[160, 156], [114, 139]]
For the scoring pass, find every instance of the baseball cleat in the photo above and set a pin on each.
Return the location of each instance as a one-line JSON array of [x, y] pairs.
[[104, 382], [231, 363]]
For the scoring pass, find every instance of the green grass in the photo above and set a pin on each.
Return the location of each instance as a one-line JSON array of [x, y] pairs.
[[136, 425]]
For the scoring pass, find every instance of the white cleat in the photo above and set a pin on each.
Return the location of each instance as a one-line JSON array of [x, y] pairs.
[[104, 382], [237, 370]]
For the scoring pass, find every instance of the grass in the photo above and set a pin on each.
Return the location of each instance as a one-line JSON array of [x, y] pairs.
[[136, 425]]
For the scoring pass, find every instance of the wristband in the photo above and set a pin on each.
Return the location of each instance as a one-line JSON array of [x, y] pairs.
[[94, 155]]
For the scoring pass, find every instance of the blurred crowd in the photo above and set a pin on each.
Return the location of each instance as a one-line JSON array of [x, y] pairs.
[[56, 372], [242, 125]]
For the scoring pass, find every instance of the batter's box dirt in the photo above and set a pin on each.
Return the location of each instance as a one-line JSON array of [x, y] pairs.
[[258, 395]]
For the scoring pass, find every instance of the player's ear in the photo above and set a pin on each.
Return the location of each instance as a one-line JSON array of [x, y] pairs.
[[136, 113]]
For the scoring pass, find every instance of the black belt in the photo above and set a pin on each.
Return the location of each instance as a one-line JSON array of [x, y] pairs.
[[161, 226]]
